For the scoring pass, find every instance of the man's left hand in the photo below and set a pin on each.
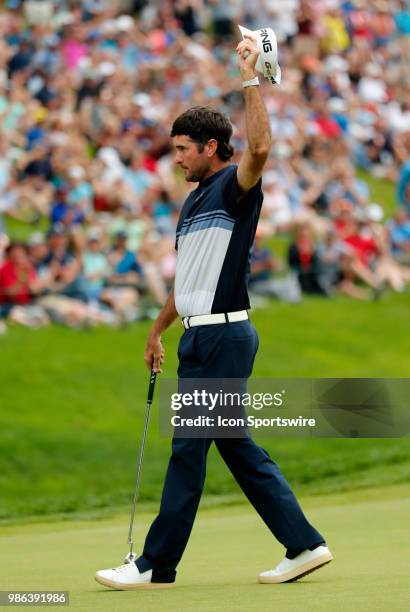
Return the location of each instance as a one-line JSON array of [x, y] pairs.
[[248, 56]]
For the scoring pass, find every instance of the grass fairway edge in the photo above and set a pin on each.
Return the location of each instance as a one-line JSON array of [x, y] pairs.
[[228, 548]]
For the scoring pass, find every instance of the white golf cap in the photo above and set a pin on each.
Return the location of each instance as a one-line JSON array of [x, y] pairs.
[[141, 99], [267, 45], [94, 233], [106, 69], [36, 239], [124, 23], [375, 212], [337, 105], [109, 155]]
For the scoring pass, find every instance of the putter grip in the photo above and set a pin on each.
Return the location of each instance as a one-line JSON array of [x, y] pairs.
[[151, 387]]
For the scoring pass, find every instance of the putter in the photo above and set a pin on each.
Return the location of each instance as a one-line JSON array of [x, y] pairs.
[[131, 555]]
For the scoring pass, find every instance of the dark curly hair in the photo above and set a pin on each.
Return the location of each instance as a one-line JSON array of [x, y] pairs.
[[201, 124]]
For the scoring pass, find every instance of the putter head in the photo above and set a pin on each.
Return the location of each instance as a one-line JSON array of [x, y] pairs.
[[130, 558]]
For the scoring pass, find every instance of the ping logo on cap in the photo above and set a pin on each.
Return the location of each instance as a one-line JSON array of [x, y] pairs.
[[267, 62], [267, 47]]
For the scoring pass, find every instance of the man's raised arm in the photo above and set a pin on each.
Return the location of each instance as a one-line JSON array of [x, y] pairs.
[[257, 119]]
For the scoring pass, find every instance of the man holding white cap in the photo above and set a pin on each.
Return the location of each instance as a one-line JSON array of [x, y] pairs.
[[215, 233]]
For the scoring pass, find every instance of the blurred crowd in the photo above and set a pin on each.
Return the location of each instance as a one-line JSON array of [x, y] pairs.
[[88, 92]]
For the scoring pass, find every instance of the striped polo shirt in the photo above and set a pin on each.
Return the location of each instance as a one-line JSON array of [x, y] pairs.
[[214, 237]]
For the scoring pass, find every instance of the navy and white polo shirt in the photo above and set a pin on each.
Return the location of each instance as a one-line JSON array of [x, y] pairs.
[[214, 237]]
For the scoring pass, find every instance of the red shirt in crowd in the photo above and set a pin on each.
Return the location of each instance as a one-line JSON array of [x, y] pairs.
[[364, 247], [305, 248], [18, 277], [328, 127]]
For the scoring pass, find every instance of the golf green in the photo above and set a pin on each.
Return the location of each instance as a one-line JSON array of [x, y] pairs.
[[367, 531]]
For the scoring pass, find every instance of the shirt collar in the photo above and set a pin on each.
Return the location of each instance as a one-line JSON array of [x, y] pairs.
[[211, 178]]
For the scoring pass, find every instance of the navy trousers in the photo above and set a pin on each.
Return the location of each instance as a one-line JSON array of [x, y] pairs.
[[220, 351]]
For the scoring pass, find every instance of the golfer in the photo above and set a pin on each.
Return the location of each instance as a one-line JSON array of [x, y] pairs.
[[214, 237]]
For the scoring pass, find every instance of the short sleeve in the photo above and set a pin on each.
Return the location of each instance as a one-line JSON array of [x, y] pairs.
[[237, 203]]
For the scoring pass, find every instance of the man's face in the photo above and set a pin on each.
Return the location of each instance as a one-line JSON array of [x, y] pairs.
[[121, 242], [194, 164], [38, 251], [58, 242], [18, 255]]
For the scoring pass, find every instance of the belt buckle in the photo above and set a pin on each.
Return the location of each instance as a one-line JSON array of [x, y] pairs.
[[185, 322]]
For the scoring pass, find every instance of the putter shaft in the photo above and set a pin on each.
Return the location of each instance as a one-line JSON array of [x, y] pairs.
[[150, 397]]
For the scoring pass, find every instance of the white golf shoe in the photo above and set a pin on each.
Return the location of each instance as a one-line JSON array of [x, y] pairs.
[[290, 570], [127, 578]]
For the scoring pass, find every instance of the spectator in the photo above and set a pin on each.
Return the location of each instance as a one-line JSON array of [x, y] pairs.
[[21, 60], [303, 259], [403, 188], [336, 37], [399, 232], [65, 265], [330, 255], [65, 213], [96, 268], [80, 191], [18, 283], [347, 187], [339, 269], [38, 255], [109, 173], [262, 281], [17, 278], [125, 266]]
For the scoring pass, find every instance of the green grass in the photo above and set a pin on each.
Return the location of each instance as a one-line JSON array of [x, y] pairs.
[[366, 531], [73, 403], [21, 231], [381, 191]]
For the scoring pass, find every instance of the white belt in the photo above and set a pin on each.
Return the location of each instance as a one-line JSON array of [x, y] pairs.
[[214, 319]]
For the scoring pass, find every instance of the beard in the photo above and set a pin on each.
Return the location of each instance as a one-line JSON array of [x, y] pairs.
[[197, 175], [193, 177]]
